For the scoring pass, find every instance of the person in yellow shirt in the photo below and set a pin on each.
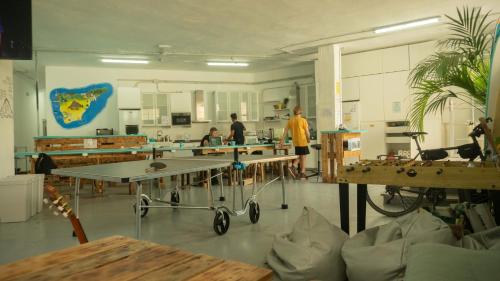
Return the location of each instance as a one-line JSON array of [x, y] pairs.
[[300, 138]]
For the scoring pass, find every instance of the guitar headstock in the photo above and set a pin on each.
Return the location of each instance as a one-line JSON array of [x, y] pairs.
[[57, 200]]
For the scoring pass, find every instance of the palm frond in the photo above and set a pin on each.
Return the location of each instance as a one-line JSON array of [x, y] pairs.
[[460, 72]]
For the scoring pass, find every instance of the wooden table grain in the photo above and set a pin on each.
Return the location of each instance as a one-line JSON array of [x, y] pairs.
[[122, 258]]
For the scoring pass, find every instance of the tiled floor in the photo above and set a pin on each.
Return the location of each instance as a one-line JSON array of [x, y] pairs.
[[112, 214]]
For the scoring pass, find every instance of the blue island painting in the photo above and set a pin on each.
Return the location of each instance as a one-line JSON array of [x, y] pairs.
[[76, 107]]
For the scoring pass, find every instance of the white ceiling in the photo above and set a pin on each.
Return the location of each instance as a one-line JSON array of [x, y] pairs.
[[75, 32]]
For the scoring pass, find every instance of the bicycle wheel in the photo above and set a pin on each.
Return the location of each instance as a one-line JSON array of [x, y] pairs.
[[396, 201]]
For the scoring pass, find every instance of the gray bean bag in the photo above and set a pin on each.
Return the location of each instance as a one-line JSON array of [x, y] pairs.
[[311, 251], [485, 240], [431, 262], [379, 253]]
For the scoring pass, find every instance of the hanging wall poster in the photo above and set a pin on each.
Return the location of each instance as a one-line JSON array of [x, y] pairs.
[[76, 107]]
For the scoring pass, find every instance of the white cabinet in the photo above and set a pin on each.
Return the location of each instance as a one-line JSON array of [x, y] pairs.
[[420, 51], [350, 89], [244, 104], [163, 110], [155, 109], [395, 59], [253, 106], [180, 102], [371, 97], [234, 103], [373, 140], [365, 63], [396, 96], [129, 98], [221, 107]]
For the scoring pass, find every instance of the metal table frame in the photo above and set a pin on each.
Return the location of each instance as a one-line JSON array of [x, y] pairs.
[[101, 172]]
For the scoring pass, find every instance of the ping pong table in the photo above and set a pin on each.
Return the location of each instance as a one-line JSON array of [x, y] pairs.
[[140, 172]]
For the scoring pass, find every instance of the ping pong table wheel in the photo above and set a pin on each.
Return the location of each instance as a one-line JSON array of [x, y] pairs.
[[221, 222], [144, 211], [175, 198], [254, 212]]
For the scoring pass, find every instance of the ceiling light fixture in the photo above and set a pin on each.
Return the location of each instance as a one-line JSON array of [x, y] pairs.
[[125, 61], [225, 63], [407, 25]]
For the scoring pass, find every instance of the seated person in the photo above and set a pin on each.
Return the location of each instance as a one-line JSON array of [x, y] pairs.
[[205, 141]]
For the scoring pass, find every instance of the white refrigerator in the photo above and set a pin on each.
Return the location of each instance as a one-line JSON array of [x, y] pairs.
[[128, 117]]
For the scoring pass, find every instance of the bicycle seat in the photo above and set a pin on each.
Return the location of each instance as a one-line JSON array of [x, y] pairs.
[[411, 134]]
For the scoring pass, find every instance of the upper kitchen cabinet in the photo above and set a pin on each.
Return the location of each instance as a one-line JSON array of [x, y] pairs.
[[244, 104], [350, 89], [221, 107], [181, 102], [395, 59], [364, 63], [420, 51], [371, 97], [129, 98]]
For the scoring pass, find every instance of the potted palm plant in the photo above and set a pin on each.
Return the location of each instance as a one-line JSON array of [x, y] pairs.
[[459, 70]]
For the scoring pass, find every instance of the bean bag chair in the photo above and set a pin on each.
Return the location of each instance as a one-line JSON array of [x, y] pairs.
[[439, 262], [311, 251], [379, 253], [485, 240]]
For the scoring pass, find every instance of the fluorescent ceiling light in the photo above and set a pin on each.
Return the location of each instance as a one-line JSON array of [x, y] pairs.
[[125, 61], [240, 64], [407, 25]]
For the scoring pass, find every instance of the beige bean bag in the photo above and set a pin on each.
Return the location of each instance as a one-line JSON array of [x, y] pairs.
[[311, 251]]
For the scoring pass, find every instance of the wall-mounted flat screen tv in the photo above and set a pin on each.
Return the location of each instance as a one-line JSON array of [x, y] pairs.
[[15, 30]]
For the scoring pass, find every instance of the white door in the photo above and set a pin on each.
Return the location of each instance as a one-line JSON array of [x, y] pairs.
[[373, 140], [396, 96]]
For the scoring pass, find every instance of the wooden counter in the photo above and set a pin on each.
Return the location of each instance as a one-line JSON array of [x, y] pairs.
[[120, 258]]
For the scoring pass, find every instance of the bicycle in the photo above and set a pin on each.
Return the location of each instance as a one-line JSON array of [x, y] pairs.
[[399, 200]]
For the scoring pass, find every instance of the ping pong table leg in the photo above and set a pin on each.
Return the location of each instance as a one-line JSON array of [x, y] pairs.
[[221, 183], [77, 197], [284, 205], [138, 200]]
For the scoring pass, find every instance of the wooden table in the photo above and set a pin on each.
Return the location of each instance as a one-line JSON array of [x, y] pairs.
[[121, 258]]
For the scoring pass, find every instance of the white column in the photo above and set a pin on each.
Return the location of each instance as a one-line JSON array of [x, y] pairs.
[[328, 88], [6, 119]]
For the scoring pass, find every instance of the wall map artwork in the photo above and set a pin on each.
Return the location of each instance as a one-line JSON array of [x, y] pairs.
[[76, 107]]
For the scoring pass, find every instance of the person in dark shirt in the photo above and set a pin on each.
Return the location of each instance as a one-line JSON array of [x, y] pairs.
[[205, 141], [237, 129]]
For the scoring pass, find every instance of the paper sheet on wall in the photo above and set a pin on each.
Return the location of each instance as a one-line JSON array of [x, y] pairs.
[[90, 143]]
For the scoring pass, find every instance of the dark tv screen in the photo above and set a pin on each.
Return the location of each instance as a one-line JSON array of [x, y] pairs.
[[15, 30]]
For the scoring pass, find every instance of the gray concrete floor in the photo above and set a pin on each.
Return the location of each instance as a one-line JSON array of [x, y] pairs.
[[112, 214]]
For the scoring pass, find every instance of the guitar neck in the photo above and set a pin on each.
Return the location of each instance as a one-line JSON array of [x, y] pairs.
[[77, 227]]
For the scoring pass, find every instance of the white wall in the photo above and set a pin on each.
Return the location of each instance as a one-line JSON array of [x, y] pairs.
[[6, 119], [169, 80], [25, 111], [281, 81]]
